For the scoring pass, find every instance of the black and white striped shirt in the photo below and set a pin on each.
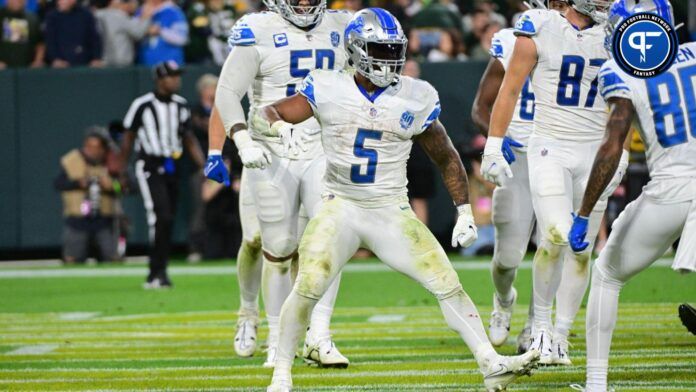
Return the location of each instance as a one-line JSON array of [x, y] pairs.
[[158, 123]]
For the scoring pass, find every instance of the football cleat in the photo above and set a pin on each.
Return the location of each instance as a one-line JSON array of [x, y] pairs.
[[559, 353], [543, 343], [524, 339], [245, 337], [271, 354], [279, 386], [504, 370], [499, 326], [158, 283], [324, 353], [687, 314]]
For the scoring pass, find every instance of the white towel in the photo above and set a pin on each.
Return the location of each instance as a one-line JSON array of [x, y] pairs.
[[685, 260]]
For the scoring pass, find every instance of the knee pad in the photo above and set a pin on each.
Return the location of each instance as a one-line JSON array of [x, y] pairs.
[[270, 203], [280, 247]]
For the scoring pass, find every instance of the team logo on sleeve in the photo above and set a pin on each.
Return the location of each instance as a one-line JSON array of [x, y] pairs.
[[644, 45], [280, 40], [406, 120], [335, 39]]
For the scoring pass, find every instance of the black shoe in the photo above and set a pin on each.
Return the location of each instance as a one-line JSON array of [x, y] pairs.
[[158, 283], [687, 314]]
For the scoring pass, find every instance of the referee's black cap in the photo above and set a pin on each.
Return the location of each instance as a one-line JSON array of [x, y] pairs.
[[166, 68]]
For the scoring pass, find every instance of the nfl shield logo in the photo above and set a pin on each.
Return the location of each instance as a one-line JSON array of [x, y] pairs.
[[406, 120], [335, 39]]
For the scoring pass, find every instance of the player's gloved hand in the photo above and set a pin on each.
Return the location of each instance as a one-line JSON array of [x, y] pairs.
[[294, 139], [465, 232], [508, 152], [576, 236], [494, 166], [253, 155], [215, 168], [618, 177]]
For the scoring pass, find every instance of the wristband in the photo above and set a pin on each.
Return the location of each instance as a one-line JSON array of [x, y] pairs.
[[241, 138], [214, 153], [494, 146], [464, 209]]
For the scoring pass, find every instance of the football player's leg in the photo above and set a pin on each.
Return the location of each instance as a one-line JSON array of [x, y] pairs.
[[249, 268], [326, 246], [277, 203], [318, 340], [513, 217], [403, 242], [574, 281], [634, 243], [551, 188]]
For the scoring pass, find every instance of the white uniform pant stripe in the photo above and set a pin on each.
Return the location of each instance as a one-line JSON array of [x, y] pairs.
[[147, 198]]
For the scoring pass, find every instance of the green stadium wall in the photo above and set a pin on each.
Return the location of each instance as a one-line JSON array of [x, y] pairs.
[[44, 112]]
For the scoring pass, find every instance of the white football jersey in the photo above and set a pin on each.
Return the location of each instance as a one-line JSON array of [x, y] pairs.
[[286, 55], [367, 139], [522, 122], [565, 78], [666, 108]]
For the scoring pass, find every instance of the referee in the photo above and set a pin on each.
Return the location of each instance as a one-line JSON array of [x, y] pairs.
[[158, 124]]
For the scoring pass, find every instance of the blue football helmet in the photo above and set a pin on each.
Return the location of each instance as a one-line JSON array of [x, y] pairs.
[[376, 45], [622, 9], [595, 9]]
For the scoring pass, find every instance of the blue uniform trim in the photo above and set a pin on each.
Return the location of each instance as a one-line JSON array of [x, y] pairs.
[[307, 90], [433, 116], [611, 82], [241, 36], [371, 97], [606, 92], [386, 20], [525, 26], [496, 49]]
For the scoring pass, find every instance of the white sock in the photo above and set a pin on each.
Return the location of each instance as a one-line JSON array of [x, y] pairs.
[[602, 308], [574, 281], [276, 287], [249, 268], [546, 272], [293, 323], [503, 278], [461, 315], [320, 324]]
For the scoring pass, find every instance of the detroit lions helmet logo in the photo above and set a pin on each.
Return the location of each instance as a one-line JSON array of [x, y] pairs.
[[407, 120], [335, 39]]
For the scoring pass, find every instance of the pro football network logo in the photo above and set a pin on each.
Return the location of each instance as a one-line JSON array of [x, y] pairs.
[[645, 45]]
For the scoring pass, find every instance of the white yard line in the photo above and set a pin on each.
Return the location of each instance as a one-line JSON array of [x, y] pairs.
[[386, 318], [221, 270], [38, 349]]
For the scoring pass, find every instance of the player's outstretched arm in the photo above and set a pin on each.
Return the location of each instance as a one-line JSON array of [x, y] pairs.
[[621, 114], [487, 93], [215, 167], [441, 151]]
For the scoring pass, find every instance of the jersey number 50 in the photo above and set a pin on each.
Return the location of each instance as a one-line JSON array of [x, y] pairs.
[[573, 80], [320, 55]]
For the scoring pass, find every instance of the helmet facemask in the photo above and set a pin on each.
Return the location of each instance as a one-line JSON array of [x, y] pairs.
[[301, 15], [598, 10]]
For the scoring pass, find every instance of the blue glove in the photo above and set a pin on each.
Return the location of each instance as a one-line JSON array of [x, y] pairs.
[[577, 234], [215, 170], [508, 143]]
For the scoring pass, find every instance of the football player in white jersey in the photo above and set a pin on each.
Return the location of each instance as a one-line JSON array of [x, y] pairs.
[[271, 53], [562, 54], [666, 209], [369, 117], [513, 214]]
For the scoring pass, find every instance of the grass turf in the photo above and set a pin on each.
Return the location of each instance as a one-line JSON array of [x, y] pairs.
[[105, 333]]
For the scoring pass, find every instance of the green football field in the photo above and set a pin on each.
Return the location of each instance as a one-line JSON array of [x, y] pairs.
[[94, 328]]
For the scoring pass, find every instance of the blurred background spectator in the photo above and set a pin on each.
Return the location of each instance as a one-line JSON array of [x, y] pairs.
[[200, 116], [120, 31], [209, 24], [168, 35], [72, 37], [20, 42], [88, 192]]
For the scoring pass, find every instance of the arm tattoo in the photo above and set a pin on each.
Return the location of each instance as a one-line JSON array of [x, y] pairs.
[[439, 148], [607, 159]]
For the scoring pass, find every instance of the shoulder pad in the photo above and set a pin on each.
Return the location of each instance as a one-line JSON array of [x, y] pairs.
[[612, 81], [431, 99], [242, 34], [531, 22], [501, 43]]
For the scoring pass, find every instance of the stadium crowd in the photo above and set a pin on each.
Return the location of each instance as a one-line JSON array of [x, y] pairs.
[[116, 33]]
